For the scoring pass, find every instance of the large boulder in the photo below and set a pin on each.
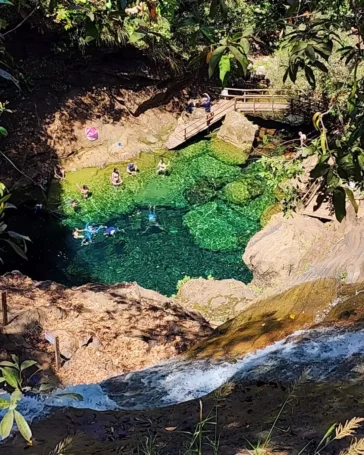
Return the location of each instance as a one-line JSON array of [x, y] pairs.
[[217, 300], [238, 130], [103, 330], [274, 254]]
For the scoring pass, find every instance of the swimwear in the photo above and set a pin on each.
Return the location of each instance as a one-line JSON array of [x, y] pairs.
[[152, 217], [110, 231]]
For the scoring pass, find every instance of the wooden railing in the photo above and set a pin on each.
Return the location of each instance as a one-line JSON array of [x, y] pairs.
[[307, 197]]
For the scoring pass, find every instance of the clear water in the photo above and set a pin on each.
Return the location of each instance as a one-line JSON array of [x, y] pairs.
[[210, 244]]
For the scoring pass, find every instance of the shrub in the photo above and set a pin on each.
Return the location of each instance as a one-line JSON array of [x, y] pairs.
[[240, 192], [269, 212]]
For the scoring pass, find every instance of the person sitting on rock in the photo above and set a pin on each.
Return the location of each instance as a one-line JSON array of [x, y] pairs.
[[59, 172], [161, 167], [132, 169], [115, 178]]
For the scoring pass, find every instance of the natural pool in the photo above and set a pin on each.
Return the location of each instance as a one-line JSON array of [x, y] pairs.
[[209, 206]]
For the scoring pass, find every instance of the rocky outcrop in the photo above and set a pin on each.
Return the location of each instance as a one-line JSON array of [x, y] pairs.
[[217, 300], [237, 130], [103, 331], [275, 253]]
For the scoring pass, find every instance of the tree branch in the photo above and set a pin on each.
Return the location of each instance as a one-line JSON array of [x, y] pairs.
[[20, 23]]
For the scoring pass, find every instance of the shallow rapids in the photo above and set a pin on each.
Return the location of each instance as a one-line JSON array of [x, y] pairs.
[[324, 354]]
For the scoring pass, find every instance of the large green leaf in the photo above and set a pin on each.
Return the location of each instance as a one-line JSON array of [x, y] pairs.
[[339, 203], [6, 424], [215, 58], [16, 248], [4, 404], [11, 376], [352, 200], [27, 364], [240, 58], [244, 43], [319, 170], [3, 131], [4, 74], [213, 7], [5, 2], [136, 36], [208, 33], [321, 66], [224, 69], [23, 426], [310, 76], [16, 396]]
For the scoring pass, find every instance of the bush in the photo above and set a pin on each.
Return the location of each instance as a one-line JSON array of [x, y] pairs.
[[228, 153]]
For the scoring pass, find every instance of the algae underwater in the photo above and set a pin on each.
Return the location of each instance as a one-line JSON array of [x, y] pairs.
[[207, 211]]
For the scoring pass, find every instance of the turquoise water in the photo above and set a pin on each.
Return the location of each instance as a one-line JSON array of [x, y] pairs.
[[203, 234]]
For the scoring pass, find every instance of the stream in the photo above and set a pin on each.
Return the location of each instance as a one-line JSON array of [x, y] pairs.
[[325, 355]]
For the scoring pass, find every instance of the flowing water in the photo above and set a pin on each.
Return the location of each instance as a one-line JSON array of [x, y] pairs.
[[325, 355]]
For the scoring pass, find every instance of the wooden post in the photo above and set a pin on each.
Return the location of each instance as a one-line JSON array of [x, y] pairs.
[[273, 104], [4, 306], [235, 104], [57, 353], [254, 105]]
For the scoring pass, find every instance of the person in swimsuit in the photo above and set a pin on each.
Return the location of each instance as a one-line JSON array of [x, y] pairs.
[[110, 231], [161, 168], [84, 191], [59, 172], [90, 232], [77, 233], [152, 219], [132, 169], [115, 178]]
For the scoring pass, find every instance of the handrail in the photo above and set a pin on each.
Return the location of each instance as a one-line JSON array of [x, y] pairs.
[[310, 193]]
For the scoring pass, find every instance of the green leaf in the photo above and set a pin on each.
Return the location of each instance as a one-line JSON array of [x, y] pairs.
[[6, 2], [224, 8], [224, 69], [310, 52], [241, 58], [4, 404], [6, 363], [17, 236], [16, 248], [3, 131], [321, 66], [213, 7], [332, 179], [208, 33], [244, 43], [215, 58], [11, 377], [339, 203], [7, 424], [248, 31], [5, 75], [27, 364], [23, 426], [310, 76], [323, 140], [319, 170], [16, 396], [136, 36], [352, 200]]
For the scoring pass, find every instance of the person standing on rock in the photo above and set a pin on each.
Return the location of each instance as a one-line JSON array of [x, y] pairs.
[[303, 138]]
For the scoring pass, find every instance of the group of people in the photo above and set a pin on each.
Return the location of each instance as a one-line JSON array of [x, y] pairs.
[[89, 232], [205, 102]]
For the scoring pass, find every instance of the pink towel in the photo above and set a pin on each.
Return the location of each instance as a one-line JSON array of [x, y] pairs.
[[91, 133]]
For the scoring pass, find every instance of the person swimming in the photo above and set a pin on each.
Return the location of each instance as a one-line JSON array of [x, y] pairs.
[[152, 219], [77, 233], [115, 178], [90, 232], [110, 231]]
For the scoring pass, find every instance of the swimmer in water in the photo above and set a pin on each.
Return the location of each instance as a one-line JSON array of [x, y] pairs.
[[90, 232], [110, 231], [152, 218], [115, 178], [77, 233], [132, 169]]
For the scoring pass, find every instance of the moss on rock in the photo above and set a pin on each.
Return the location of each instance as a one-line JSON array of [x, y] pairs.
[[269, 212], [229, 153], [241, 191]]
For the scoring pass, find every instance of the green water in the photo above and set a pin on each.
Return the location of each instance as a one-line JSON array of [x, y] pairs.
[[204, 231]]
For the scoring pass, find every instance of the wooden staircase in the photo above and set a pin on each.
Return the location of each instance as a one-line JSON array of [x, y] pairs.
[[247, 101]]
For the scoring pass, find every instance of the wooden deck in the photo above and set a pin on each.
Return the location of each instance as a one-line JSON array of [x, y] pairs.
[[249, 101]]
